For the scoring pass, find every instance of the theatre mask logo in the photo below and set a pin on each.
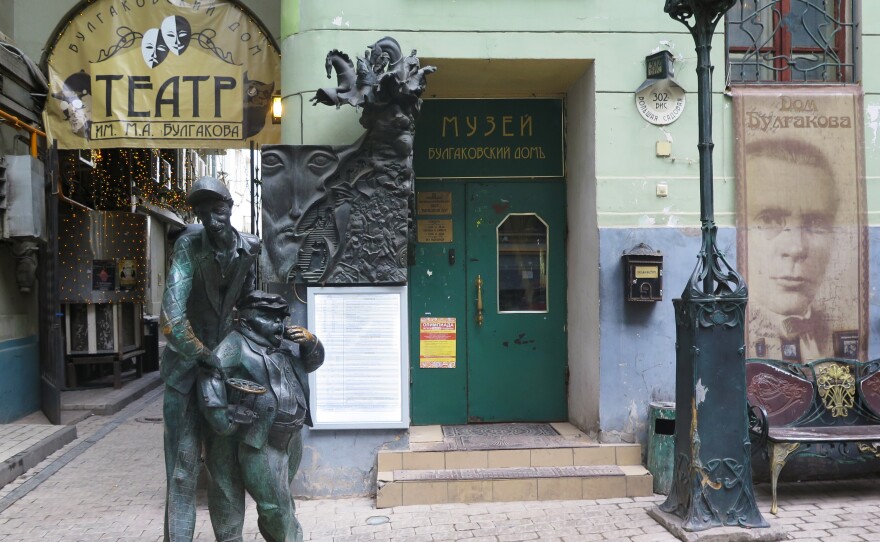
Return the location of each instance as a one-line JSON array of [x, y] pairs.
[[162, 73]]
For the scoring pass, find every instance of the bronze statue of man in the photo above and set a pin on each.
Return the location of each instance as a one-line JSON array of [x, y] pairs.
[[255, 397], [212, 268]]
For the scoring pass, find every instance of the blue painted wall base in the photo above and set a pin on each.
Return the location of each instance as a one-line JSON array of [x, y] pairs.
[[20, 385]]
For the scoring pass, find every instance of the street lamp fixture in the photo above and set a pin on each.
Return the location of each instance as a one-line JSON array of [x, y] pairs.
[[712, 479], [277, 109]]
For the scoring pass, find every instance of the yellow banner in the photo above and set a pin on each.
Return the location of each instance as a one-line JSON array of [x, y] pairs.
[[163, 74]]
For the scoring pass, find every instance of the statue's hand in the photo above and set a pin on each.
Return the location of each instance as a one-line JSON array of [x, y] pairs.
[[204, 359], [241, 415], [219, 422], [300, 335]]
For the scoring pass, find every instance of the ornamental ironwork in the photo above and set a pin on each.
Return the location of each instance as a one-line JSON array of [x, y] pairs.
[[836, 386], [791, 41]]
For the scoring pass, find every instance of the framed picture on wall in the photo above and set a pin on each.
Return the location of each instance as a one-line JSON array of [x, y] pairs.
[[791, 350], [761, 348], [846, 344]]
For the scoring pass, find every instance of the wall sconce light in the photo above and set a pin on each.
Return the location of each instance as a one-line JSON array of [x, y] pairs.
[[277, 109]]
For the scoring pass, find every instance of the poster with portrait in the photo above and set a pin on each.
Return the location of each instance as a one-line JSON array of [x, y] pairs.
[[128, 276], [163, 74], [103, 275], [802, 243]]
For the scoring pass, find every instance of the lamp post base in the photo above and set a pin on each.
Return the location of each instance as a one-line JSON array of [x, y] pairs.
[[712, 479], [672, 524]]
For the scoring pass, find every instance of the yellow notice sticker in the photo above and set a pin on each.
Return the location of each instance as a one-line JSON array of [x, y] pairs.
[[437, 343], [647, 272]]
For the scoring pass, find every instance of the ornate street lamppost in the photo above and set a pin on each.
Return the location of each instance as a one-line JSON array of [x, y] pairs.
[[712, 480]]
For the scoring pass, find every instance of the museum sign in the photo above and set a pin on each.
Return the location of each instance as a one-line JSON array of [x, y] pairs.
[[161, 73], [521, 138]]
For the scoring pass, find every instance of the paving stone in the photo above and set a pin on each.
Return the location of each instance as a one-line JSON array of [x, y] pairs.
[[96, 496], [811, 534]]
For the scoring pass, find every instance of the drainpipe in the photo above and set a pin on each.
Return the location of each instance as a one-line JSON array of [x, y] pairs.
[[21, 125]]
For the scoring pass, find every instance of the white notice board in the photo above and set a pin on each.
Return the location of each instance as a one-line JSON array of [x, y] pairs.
[[363, 383]]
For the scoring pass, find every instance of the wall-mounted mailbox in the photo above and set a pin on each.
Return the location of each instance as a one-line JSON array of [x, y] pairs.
[[643, 274]]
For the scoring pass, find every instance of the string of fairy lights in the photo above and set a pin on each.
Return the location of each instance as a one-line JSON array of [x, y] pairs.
[[111, 183], [93, 243], [120, 178]]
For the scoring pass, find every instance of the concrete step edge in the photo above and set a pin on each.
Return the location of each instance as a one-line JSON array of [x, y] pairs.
[[630, 454], [633, 482], [421, 447], [549, 443], [510, 473], [20, 463]]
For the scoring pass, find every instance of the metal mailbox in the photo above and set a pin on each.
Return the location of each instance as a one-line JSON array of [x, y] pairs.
[[643, 274]]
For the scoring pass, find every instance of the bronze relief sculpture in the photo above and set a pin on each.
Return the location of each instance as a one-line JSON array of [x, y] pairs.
[[340, 214]]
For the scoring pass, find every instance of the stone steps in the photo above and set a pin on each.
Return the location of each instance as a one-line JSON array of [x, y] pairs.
[[567, 467]]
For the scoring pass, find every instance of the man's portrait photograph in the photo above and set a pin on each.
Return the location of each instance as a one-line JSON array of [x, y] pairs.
[[800, 221]]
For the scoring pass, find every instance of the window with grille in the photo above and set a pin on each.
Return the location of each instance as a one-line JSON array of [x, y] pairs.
[[798, 41]]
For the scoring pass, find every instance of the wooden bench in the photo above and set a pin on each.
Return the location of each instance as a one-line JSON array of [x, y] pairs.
[[800, 408], [136, 355]]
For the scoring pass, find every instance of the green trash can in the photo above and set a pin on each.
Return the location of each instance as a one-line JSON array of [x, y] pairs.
[[661, 445]]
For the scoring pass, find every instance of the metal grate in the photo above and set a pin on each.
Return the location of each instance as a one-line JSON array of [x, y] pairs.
[[798, 41]]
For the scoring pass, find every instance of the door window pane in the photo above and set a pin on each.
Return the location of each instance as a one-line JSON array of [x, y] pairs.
[[522, 264]]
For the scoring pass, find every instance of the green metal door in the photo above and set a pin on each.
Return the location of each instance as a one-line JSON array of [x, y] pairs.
[[497, 267]]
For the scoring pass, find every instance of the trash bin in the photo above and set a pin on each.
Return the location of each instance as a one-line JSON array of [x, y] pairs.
[[661, 445], [151, 344]]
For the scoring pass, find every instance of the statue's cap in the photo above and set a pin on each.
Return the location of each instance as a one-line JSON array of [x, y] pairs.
[[263, 301], [207, 188]]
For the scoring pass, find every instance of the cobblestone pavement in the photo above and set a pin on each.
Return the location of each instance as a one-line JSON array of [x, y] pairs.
[[109, 485]]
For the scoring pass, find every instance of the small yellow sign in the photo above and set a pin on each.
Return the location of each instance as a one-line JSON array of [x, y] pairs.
[[437, 343], [434, 203], [647, 272], [434, 231], [127, 270]]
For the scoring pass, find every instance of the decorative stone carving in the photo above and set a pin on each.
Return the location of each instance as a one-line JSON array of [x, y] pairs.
[[25, 253]]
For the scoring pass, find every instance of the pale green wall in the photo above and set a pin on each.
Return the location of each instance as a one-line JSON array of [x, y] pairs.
[[616, 35], [34, 22], [7, 18]]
